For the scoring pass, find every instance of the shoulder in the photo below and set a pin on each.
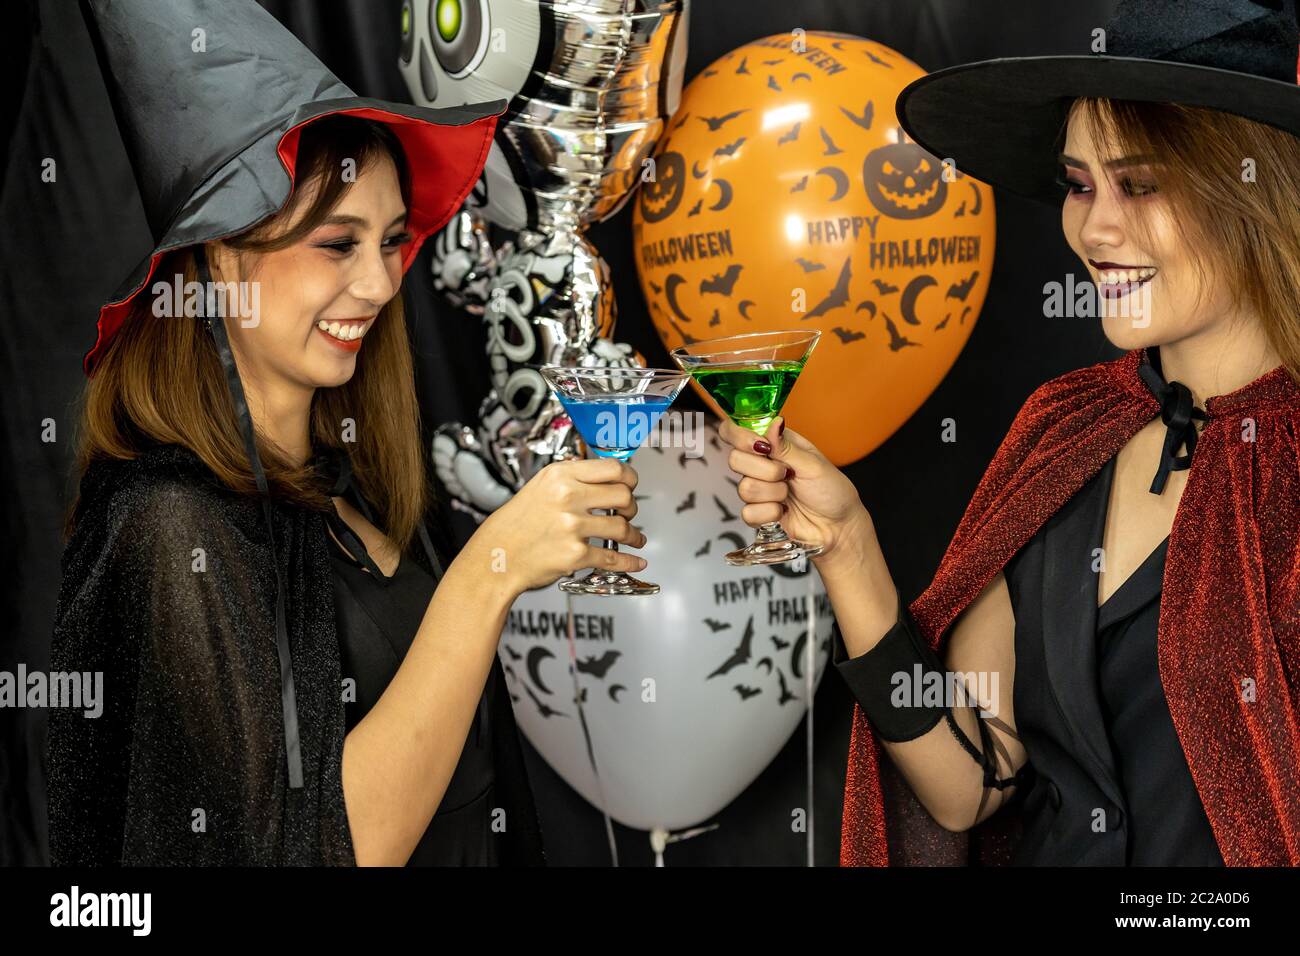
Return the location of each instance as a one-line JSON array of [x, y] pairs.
[[1100, 382], [1056, 417], [163, 495]]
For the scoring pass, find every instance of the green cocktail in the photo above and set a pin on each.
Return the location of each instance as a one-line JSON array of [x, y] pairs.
[[751, 395], [750, 377]]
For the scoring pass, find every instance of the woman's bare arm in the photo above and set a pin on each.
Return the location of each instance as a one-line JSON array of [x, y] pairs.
[[946, 779], [399, 759]]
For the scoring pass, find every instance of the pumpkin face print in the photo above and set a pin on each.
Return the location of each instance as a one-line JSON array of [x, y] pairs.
[[661, 195], [904, 181], [787, 196]]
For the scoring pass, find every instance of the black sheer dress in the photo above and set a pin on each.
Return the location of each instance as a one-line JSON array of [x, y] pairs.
[[169, 592]]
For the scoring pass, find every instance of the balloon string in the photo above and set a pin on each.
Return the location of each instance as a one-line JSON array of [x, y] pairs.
[[810, 657], [582, 719]]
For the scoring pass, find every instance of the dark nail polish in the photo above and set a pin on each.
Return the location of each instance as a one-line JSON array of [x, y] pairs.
[[762, 447], [780, 429], [789, 472]]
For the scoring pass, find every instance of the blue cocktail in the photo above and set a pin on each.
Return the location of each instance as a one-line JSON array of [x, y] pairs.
[[615, 427], [614, 410]]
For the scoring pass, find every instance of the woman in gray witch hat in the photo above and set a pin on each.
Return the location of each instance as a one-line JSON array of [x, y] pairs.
[[287, 679], [1137, 606]]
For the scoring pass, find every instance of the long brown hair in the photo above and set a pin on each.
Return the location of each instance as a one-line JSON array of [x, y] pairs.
[[1245, 229], [161, 381]]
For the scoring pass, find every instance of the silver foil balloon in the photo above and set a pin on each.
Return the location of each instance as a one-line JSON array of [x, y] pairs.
[[549, 303], [591, 85], [463, 261]]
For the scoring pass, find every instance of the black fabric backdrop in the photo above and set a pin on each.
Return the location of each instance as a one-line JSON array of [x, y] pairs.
[[65, 245]]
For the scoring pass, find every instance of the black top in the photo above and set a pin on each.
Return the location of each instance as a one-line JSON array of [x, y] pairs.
[[1090, 708], [1110, 784], [377, 622]]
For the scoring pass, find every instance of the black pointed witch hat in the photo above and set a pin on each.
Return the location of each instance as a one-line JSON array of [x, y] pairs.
[[1001, 120], [210, 98]]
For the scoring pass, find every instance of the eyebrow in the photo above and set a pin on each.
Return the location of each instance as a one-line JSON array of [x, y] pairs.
[[342, 220], [1110, 164]]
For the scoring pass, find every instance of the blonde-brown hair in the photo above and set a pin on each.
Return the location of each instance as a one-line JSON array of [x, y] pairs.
[[161, 381], [1245, 230]]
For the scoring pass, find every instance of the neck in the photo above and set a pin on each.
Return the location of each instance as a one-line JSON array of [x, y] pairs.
[[1218, 360], [282, 414]]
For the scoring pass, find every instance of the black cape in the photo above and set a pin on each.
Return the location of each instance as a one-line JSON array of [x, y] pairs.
[[169, 589]]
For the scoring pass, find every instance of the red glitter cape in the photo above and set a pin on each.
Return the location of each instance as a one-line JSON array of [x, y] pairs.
[[1229, 609]]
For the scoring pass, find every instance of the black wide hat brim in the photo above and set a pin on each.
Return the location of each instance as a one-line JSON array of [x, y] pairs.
[[1003, 121]]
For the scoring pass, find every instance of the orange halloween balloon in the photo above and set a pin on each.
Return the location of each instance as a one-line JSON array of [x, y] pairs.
[[786, 196]]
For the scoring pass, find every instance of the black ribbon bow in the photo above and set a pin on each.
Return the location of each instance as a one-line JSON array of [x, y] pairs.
[[1178, 412]]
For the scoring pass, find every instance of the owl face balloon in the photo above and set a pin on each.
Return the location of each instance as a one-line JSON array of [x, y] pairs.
[[590, 85]]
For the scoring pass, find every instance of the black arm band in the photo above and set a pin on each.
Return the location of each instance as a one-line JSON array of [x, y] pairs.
[[890, 681]]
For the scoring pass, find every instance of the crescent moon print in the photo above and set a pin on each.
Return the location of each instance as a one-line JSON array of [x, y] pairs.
[[671, 285], [535, 657], [907, 303], [840, 178], [725, 194], [796, 655]]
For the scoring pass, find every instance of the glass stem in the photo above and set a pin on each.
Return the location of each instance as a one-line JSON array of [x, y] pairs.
[[612, 545], [771, 531]]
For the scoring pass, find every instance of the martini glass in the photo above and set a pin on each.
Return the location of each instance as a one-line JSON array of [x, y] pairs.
[[750, 376], [614, 410]]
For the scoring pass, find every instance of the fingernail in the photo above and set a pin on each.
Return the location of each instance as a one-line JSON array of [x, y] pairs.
[[640, 564], [762, 447], [780, 428], [789, 472]]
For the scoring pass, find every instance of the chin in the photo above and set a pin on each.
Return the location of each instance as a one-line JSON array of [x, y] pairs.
[[1123, 333], [338, 373]]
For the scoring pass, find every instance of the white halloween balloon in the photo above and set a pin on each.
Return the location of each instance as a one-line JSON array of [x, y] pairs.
[[687, 694]]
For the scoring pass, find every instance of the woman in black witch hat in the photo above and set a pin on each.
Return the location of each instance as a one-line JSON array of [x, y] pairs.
[[1143, 630], [288, 679]]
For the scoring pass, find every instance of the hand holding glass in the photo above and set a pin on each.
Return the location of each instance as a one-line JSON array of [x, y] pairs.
[[750, 376], [614, 410]]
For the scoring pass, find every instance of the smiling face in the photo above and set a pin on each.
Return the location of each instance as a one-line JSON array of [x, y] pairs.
[[1151, 291], [319, 297]]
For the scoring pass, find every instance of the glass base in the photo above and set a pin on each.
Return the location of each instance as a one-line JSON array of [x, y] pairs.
[[608, 582], [772, 546]]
